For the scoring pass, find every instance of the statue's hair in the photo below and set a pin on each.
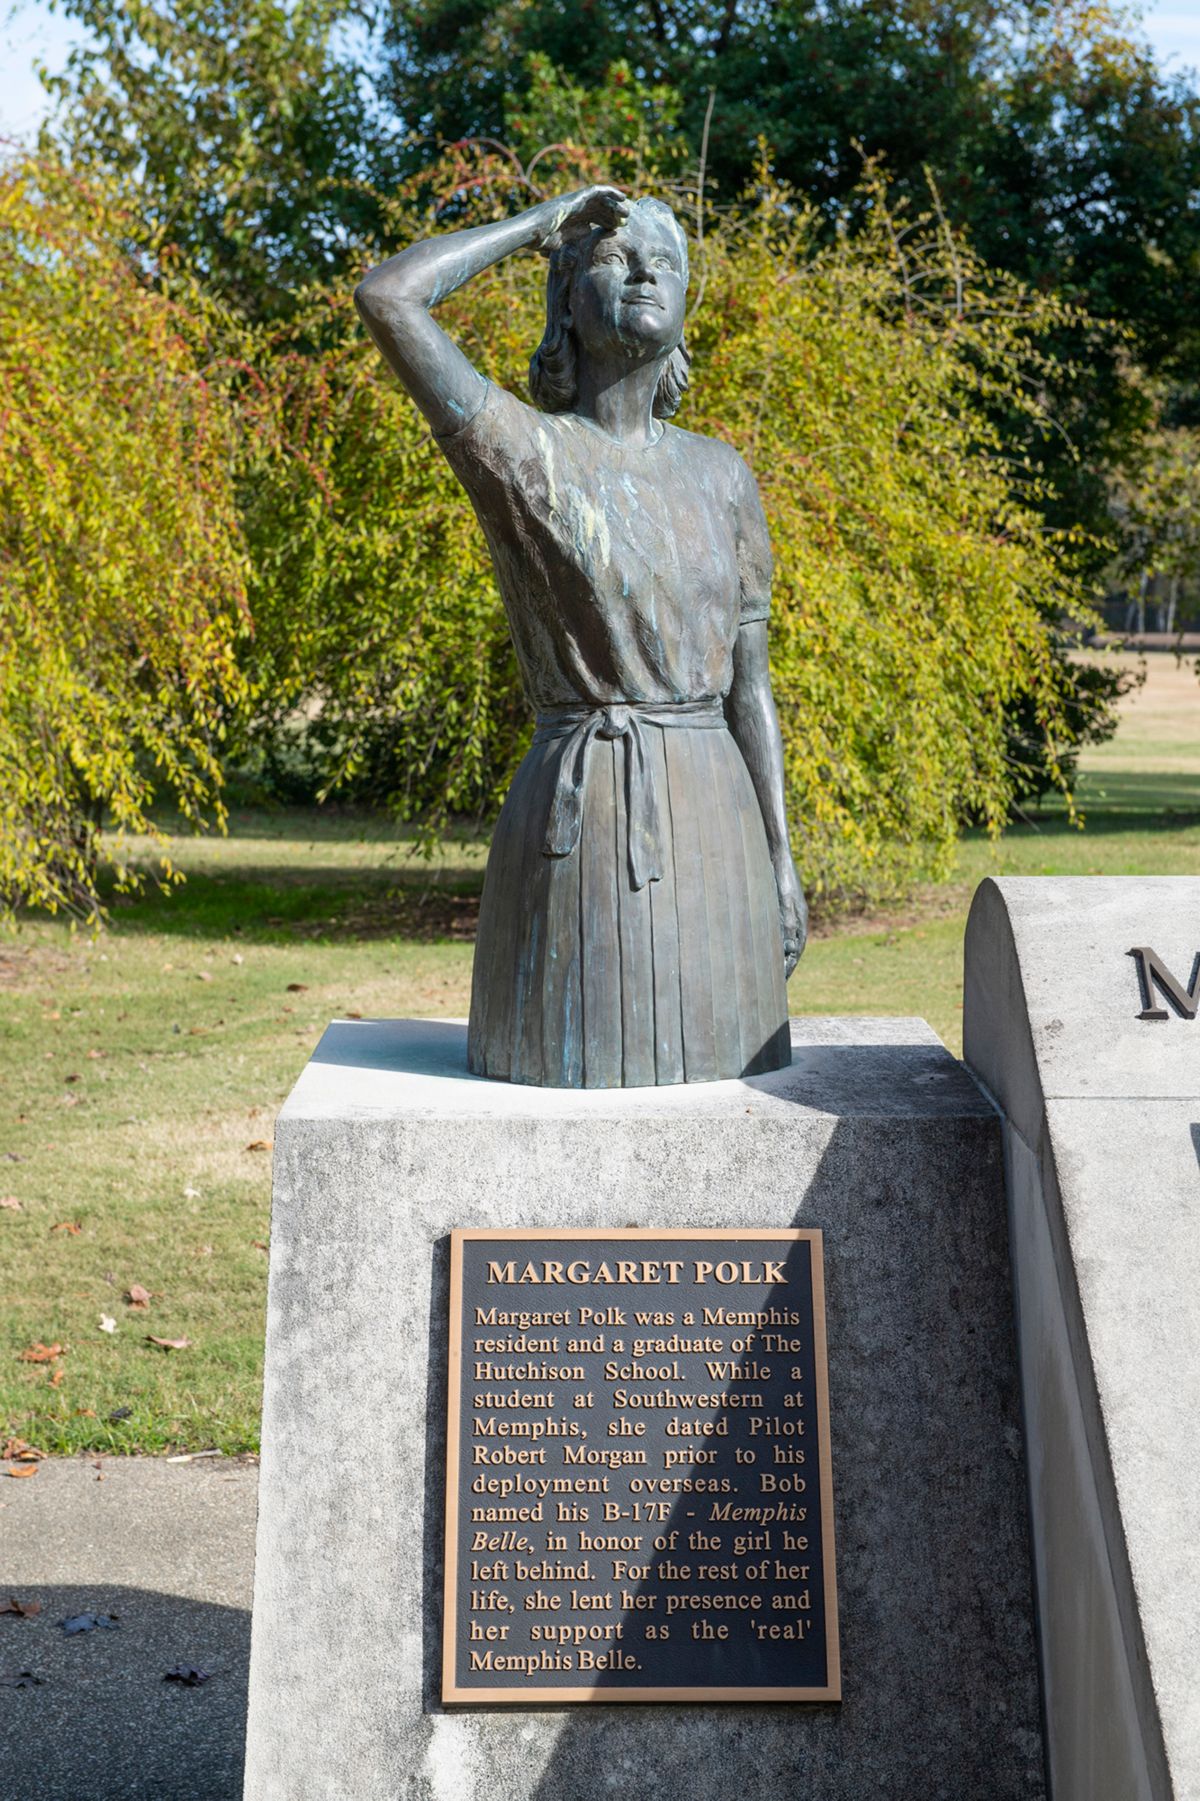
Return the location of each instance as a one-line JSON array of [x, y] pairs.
[[552, 382]]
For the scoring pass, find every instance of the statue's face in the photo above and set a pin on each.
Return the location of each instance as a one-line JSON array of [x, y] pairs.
[[628, 294]]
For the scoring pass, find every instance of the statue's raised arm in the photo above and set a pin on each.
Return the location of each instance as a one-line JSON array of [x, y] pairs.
[[395, 300], [641, 911]]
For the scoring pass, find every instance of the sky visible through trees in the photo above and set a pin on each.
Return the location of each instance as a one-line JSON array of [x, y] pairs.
[[31, 33]]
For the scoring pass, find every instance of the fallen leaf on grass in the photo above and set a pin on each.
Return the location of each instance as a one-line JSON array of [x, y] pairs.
[[56, 1376], [67, 1225], [73, 1078], [351, 1015], [170, 1344], [191, 1194], [137, 1296], [22, 1469], [259, 1245], [41, 1353], [107, 1323], [88, 1622], [24, 1610], [20, 1452], [259, 1144], [21, 1679], [204, 975], [93, 1055], [70, 1100], [297, 987], [189, 1675], [10, 1202]]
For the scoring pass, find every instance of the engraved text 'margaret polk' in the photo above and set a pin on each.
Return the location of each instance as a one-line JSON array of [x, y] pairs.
[[639, 1497]]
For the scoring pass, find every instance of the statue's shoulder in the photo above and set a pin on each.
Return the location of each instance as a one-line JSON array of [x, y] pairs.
[[501, 433], [717, 457], [701, 444]]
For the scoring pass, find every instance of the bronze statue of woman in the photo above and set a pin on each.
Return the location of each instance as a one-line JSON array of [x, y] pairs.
[[641, 911]]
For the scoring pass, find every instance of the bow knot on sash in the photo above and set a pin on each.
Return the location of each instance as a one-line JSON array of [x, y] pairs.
[[614, 722], [578, 726]]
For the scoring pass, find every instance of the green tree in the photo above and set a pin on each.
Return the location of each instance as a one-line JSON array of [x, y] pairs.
[[121, 565], [630, 124], [246, 126], [1052, 135], [262, 136], [1069, 158]]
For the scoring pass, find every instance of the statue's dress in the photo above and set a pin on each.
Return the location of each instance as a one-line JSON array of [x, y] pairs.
[[629, 931]]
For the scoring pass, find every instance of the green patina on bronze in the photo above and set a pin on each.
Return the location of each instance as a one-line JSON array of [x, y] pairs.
[[641, 911]]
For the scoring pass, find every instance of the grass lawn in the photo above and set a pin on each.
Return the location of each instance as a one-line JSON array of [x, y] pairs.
[[142, 1071]]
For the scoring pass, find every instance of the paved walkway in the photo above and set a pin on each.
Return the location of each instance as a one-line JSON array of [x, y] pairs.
[[169, 1549]]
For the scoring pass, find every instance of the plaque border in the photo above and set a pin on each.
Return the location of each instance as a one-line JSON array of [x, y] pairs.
[[528, 1695]]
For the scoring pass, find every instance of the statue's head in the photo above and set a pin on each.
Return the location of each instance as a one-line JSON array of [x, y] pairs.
[[616, 295]]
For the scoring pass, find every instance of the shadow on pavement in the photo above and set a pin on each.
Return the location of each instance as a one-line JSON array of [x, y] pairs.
[[103, 1725]]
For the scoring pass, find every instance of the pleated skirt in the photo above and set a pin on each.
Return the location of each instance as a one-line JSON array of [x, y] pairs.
[[582, 980]]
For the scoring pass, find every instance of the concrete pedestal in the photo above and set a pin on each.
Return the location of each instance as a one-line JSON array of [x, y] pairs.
[[1102, 1138], [875, 1135]]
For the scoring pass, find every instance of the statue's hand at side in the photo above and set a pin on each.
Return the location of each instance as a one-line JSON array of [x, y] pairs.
[[754, 725], [572, 216], [793, 913]]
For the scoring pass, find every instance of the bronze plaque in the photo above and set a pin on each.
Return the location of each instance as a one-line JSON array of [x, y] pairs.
[[639, 1501]]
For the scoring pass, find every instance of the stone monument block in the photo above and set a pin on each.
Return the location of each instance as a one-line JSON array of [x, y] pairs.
[[874, 1136], [1079, 1019]]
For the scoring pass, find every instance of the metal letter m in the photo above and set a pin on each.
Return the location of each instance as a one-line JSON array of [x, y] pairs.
[[1151, 969]]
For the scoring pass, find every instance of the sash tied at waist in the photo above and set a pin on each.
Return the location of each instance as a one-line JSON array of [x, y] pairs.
[[627, 720]]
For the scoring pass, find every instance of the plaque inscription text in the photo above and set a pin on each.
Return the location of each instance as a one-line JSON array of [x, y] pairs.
[[639, 1495]]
